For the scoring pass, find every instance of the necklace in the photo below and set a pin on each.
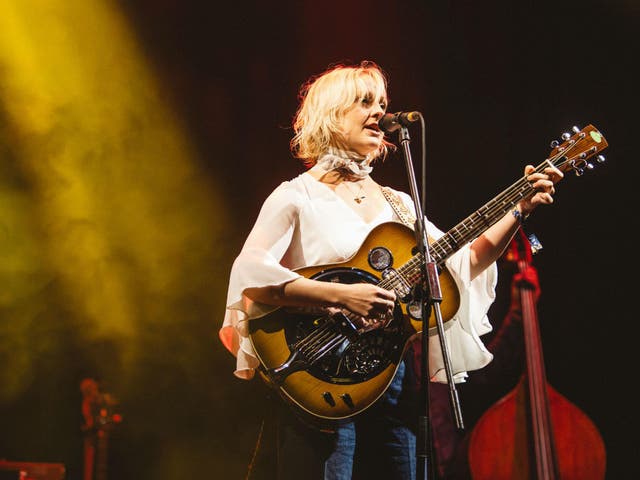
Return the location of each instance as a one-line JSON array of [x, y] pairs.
[[359, 196]]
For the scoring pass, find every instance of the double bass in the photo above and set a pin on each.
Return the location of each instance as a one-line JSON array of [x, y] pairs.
[[534, 432]]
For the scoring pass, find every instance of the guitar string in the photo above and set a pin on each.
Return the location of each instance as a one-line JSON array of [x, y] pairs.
[[494, 209], [314, 337], [412, 269], [328, 346], [319, 342]]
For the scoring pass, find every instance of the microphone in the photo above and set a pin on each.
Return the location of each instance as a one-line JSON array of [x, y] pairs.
[[390, 122]]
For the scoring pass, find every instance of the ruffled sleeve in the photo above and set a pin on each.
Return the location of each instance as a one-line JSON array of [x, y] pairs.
[[259, 264], [462, 332]]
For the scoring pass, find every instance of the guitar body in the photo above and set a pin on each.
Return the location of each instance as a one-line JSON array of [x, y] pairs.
[[318, 362]]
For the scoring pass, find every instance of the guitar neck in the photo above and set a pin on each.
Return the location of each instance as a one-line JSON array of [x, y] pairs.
[[482, 219], [471, 227], [465, 231]]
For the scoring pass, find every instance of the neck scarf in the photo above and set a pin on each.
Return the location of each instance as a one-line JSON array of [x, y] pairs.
[[349, 163]]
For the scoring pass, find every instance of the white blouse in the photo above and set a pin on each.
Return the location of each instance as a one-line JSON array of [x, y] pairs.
[[302, 223]]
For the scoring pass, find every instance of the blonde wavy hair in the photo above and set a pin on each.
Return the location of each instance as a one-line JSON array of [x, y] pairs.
[[324, 100]]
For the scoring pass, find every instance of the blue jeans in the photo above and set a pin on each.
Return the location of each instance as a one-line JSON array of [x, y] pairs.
[[378, 444]]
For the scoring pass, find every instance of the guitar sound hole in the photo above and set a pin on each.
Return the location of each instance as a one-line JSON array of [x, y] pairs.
[[350, 360]]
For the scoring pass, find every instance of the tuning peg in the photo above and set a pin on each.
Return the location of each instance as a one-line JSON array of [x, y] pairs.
[[554, 143], [566, 136], [591, 166], [575, 129]]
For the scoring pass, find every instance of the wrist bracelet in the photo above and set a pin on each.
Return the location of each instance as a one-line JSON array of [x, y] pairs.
[[518, 215]]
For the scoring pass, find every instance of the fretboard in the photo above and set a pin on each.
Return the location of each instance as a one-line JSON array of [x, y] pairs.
[[479, 221]]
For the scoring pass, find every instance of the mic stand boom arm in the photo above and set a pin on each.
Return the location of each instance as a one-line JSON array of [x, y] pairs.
[[431, 297]]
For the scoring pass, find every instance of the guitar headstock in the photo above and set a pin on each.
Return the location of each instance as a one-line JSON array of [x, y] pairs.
[[576, 149]]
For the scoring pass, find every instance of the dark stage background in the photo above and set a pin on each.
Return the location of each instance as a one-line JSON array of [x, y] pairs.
[[495, 81]]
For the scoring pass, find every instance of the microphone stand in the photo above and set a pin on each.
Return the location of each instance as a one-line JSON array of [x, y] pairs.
[[431, 298]]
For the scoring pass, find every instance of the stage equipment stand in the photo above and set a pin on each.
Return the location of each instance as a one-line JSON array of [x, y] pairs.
[[431, 297]]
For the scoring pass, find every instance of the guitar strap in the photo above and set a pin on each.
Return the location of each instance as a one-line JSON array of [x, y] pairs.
[[404, 214], [413, 354]]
